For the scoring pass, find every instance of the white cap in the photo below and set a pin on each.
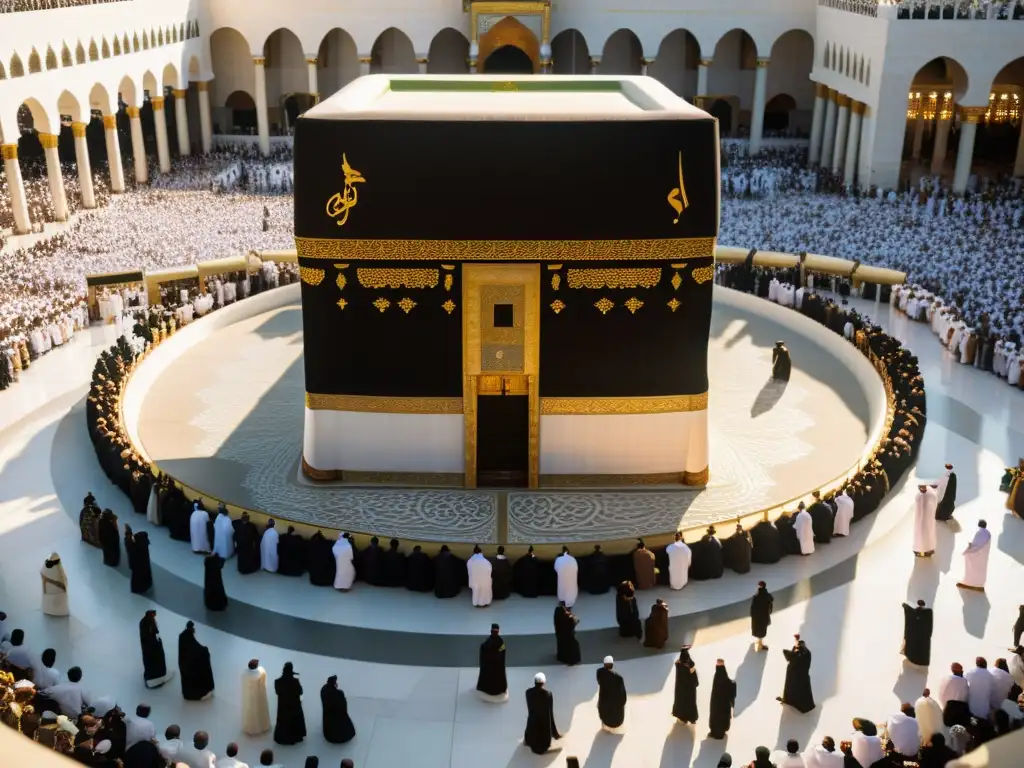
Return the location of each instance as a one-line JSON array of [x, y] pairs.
[[539, 678], [608, 660]]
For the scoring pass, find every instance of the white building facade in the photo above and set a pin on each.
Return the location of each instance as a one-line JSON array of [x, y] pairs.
[[873, 86]]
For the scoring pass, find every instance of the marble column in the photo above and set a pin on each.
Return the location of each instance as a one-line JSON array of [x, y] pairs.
[[864, 160], [1018, 165], [595, 65], [262, 118], [138, 146], [205, 121], [918, 134], [757, 111], [702, 83], [313, 85], [84, 166], [113, 153], [181, 121], [817, 123], [828, 139], [853, 143], [941, 143], [163, 151], [842, 127], [57, 194], [15, 188], [421, 64], [965, 152], [364, 64]]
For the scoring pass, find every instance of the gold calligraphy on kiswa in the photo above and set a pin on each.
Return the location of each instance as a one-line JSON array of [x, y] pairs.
[[341, 203], [677, 197]]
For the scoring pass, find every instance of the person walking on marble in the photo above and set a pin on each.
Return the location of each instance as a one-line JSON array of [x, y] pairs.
[[567, 646], [976, 559], [540, 717], [761, 615], [491, 682], [255, 707], [797, 691], [925, 504], [917, 634], [198, 529], [55, 587], [945, 491], [611, 696], [567, 571]]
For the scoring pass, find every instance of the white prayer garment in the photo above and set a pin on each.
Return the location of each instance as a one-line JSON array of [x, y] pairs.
[[952, 688], [268, 550], [196, 758], [979, 691], [904, 733], [55, 587], [478, 569], [138, 729], [46, 677], [230, 762], [567, 571], [255, 707], [819, 757], [70, 697], [867, 750], [1016, 665], [925, 503], [792, 761], [679, 557], [153, 506], [976, 560], [929, 718], [844, 515], [223, 536], [940, 487], [804, 531], [344, 570], [1002, 682], [169, 749], [197, 528]]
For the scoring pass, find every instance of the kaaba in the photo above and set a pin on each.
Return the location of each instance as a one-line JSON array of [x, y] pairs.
[[506, 282]]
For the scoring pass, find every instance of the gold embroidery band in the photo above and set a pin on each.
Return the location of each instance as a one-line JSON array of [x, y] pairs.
[[638, 277], [398, 278], [612, 481], [373, 404], [593, 406], [665, 249]]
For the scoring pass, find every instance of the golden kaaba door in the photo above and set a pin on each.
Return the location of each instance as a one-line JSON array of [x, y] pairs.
[[500, 362]]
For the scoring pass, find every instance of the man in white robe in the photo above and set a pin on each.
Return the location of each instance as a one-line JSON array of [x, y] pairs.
[[138, 727], [979, 689], [478, 570], [344, 569], [844, 515], [268, 548], [567, 570], [198, 532], [905, 732], [824, 755], [925, 504], [804, 530], [153, 505], [929, 717], [976, 559], [55, 587], [679, 557], [1002, 682], [255, 707], [223, 534]]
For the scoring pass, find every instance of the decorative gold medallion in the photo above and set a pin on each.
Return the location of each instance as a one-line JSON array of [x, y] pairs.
[[448, 279], [674, 304], [448, 306], [341, 203], [676, 281], [312, 275], [677, 197], [342, 304], [557, 306], [605, 305], [407, 304], [702, 274], [633, 305], [556, 280], [382, 304], [341, 281]]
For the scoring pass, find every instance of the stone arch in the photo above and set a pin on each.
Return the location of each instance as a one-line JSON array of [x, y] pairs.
[[117, 45], [94, 51], [509, 33], [286, 73], [231, 60], [622, 54], [779, 112], [65, 56], [735, 49], [677, 62], [570, 54], [337, 62], [99, 98], [942, 70], [392, 53], [34, 63], [240, 100], [68, 104], [999, 134], [128, 91], [722, 110], [238, 113], [41, 121], [792, 62], [448, 53], [867, 73], [17, 68], [51, 58], [80, 53], [169, 78], [105, 49], [860, 69], [181, 32], [940, 75]]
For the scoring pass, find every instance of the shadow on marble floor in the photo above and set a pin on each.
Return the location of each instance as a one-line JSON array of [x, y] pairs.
[[768, 397], [678, 747]]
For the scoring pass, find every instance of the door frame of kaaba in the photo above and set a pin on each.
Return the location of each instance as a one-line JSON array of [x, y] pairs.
[[502, 357]]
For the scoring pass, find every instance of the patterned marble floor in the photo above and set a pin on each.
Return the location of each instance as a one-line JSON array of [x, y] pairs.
[[226, 418]]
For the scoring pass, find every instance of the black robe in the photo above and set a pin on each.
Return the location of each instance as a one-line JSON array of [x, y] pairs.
[[1018, 627], [797, 691], [419, 572], [370, 567], [822, 522], [144, 754], [595, 576], [761, 613], [291, 554], [781, 363], [540, 720], [446, 575], [611, 697], [138, 561], [526, 575], [322, 565], [501, 577], [947, 503], [394, 567], [787, 534], [178, 515], [214, 596], [736, 553], [567, 646], [291, 722], [656, 627], [917, 634], [706, 560], [766, 543], [684, 703], [247, 546], [194, 667], [492, 680], [723, 699], [154, 664], [337, 725], [110, 540], [627, 615]]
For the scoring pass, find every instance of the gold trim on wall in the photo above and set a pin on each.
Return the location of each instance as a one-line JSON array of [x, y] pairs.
[[676, 248], [593, 406], [373, 404], [469, 420], [386, 277], [616, 277], [402, 479], [615, 481]]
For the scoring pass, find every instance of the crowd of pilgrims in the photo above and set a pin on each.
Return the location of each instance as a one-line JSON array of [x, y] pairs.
[[37, 193], [20, 6]]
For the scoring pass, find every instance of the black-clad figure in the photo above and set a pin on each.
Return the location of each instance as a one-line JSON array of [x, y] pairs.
[[595, 577], [291, 553], [419, 571], [110, 538], [781, 364], [321, 560], [917, 634], [656, 625], [1018, 627], [822, 520], [447, 578], [611, 696], [761, 608], [370, 566], [737, 551], [194, 666], [89, 521], [247, 545], [154, 663], [723, 699], [947, 504], [627, 614], [797, 691], [501, 575], [214, 596], [338, 727], [291, 722], [684, 703], [491, 682], [137, 549], [540, 717], [766, 543], [568, 647], [394, 565], [706, 561], [526, 574]]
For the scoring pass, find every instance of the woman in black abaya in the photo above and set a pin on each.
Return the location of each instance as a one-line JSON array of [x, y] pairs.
[[684, 704], [110, 538], [195, 667], [214, 596], [154, 663], [723, 698], [138, 561], [626, 612], [291, 722], [338, 727]]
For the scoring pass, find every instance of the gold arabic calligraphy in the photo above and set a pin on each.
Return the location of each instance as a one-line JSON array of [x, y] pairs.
[[677, 197], [342, 203]]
